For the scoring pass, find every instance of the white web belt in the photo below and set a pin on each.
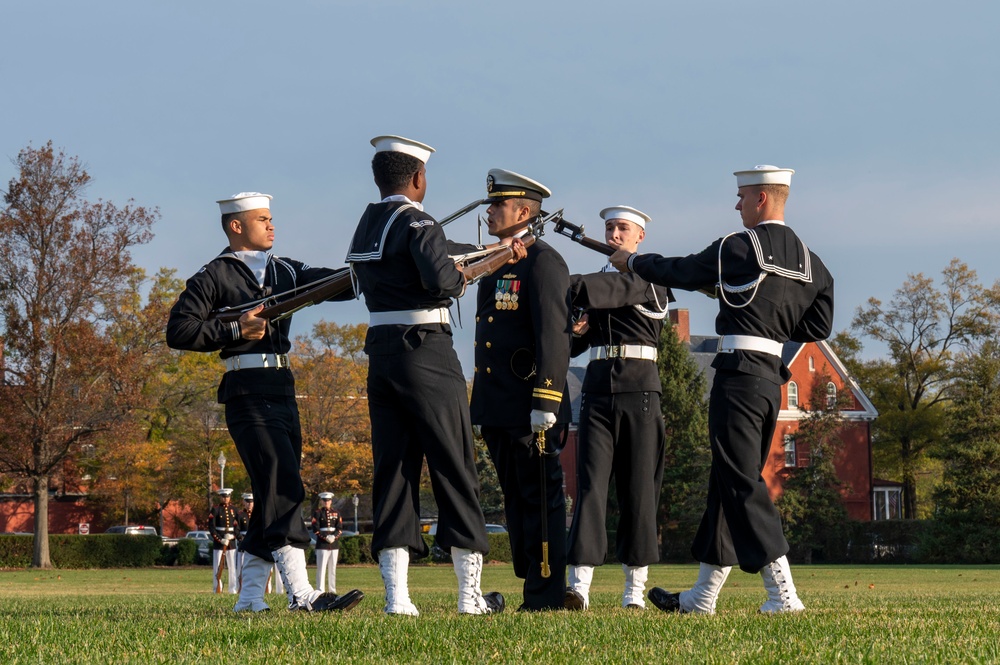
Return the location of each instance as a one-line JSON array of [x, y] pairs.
[[730, 343], [255, 360], [410, 317], [623, 351]]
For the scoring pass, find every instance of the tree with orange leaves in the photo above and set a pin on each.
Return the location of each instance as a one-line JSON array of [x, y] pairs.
[[331, 373], [75, 334]]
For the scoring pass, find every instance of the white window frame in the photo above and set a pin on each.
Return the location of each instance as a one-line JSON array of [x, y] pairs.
[[790, 449], [882, 506], [793, 395]]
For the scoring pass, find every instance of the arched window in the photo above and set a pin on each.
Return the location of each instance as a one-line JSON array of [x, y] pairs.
[[831, 395], [793, 395]]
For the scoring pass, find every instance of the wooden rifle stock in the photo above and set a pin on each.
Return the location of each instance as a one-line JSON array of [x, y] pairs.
[[274, 309], [222, 567], [476, 270]]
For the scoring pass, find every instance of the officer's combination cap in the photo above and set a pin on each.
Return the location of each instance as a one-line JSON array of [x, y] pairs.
[[503, 184]]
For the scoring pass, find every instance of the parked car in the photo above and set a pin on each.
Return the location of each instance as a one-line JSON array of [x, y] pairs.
[[204, 540], [431, 529], [131, 530]]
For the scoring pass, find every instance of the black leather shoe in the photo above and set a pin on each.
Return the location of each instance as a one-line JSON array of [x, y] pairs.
[[574, 600], [633, 606], [331, 602], [495, 602], [664, 600]]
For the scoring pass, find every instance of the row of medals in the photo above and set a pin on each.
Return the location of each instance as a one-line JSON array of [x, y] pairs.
[[506, 300]]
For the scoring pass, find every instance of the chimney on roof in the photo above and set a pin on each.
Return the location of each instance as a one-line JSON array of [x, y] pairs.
[[681, 318]]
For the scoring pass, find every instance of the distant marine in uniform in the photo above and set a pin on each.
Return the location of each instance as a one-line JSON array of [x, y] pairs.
[[327, 526], [223, 526]]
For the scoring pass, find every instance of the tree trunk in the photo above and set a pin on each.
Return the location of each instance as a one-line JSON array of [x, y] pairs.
[[40, 556], [909, 496]]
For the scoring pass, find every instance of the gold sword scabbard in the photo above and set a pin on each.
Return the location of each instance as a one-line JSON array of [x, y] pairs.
[[546, 572]]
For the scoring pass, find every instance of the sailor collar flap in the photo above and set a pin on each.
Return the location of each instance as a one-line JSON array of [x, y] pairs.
[[791, 264], [369, 238]]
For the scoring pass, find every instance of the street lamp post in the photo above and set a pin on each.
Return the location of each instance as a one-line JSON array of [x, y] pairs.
[[222, 470], [355, 501]]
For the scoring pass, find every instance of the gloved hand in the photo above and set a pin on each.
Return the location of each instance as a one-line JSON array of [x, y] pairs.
[[226, 540], [329, 539], [542, 420]]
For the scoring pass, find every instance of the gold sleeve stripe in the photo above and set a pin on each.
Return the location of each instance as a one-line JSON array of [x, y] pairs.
[[541, 393]]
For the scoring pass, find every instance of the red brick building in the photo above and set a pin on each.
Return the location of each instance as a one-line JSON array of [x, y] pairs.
[[808, 363]]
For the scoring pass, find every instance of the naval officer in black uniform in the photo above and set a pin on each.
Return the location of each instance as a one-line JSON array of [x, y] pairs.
[[771, 289], [621, 428], [523, 333], [258, 391], [417, 396]]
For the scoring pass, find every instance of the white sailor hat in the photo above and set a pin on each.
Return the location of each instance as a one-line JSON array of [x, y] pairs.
[[504, 184], [247, 496], [325, 495], [244, 201], [628, 213], [764, 174], [390, 143], [225, 491]]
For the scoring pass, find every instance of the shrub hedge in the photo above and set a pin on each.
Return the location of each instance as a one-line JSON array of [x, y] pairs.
[[886, 541], [94, 551]]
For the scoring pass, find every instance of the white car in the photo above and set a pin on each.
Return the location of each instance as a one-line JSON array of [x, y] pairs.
[[432, 528], [204, 540], [133, 530]]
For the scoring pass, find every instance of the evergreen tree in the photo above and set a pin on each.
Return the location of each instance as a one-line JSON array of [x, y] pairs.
[[688, 453], [967, 519]]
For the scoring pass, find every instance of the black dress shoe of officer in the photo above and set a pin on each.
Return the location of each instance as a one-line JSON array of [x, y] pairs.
[[664, 600], [495, 602], [574, 600], [331, 602]]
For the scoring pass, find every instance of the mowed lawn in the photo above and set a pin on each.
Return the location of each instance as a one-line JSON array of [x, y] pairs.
[[890, 614]]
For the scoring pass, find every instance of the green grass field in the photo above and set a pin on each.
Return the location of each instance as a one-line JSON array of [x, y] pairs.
[[891, 614]]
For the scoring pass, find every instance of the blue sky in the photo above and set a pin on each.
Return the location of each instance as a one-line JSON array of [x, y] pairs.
[[887, 110]]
